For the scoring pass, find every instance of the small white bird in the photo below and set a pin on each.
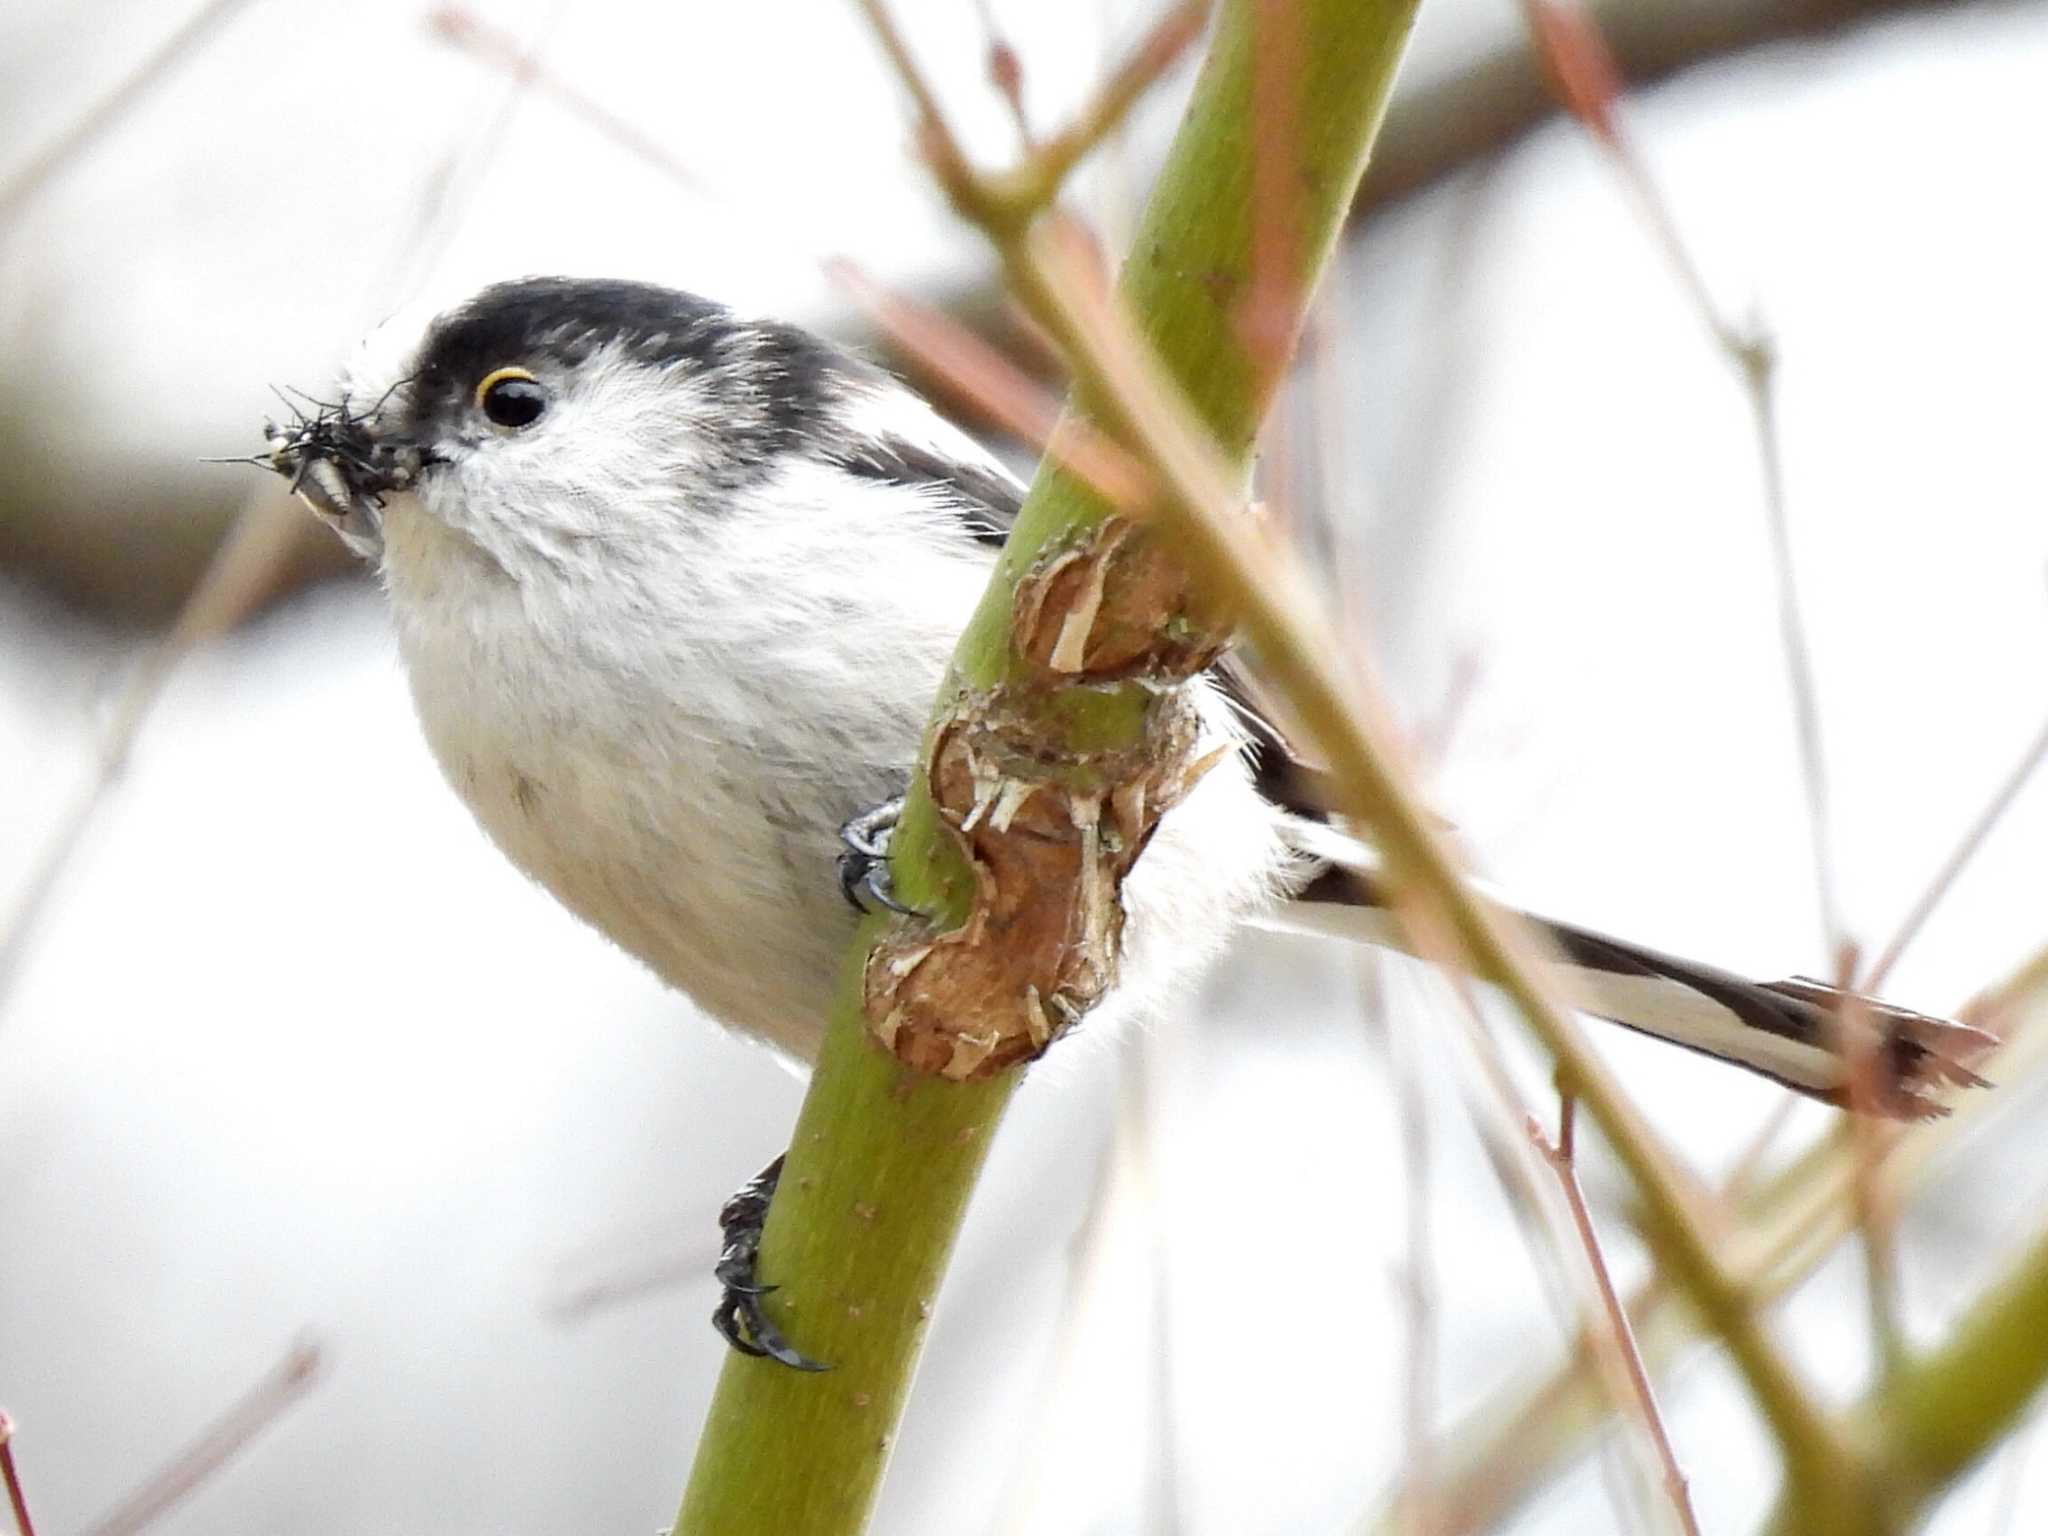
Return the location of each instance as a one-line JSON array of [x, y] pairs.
[[675, 591]]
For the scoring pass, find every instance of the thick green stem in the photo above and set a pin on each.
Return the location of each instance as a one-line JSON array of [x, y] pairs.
[[1935, 1417], [876, 1183], [1939, 1414], [883, 1162], [1189, 282]]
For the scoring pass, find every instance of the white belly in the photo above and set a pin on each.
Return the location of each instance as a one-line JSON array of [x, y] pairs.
[[680, 786]]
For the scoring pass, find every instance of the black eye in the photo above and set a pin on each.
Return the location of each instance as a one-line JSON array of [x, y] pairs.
[[511, 397]]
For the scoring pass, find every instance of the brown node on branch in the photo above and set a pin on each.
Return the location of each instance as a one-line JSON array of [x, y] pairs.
[[1118, 606], [1050, 832]]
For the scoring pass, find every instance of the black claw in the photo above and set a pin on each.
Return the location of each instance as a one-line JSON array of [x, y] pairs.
[[738, 1316], [864, 863]]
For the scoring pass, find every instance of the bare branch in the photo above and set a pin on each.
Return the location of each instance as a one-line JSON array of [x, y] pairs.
[[1958, 859], [1154, 54], [464, 29], [1588, 84], [1560, 1156], [17, 1500], [1006, 73], [1005, 202], [998, 390], [259, 1408], [1119, 369], [1503, 1122], [103, 114], [238, 577], [1418, 1270], [1785, 1226]]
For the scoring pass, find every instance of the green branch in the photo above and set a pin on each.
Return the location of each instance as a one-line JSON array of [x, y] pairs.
[[883, 1160], [1498, 1455], [1938, 1414]]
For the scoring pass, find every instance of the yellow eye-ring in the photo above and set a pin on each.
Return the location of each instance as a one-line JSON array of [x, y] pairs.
[[511, 397]]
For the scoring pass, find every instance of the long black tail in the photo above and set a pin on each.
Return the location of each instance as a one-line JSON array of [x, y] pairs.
[[1788, 1031]]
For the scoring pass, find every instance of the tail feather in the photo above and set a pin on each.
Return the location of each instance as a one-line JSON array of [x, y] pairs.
[[1790, 1031]]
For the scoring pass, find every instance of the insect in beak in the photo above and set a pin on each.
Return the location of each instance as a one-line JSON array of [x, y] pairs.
[[341, 468]]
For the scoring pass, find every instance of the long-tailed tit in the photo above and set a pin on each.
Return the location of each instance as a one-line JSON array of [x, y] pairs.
[[675, 590]]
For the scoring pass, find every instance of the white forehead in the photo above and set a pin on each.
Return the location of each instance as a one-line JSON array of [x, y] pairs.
[[390, 352]]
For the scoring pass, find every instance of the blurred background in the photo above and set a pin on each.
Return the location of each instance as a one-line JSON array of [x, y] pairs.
[[297, 1075]]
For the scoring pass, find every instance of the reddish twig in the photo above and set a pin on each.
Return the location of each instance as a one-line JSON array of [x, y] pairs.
[[258, 1409], [997, 389], [1004, 202], [1560, 1155], [1006, 73], [1502, 1120], [16, 1499]]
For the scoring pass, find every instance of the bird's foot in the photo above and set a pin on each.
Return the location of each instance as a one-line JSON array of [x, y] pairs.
[[739, 1318], [864, 859]]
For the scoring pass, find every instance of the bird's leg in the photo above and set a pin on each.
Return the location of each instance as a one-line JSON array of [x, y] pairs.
[[738, 1317]]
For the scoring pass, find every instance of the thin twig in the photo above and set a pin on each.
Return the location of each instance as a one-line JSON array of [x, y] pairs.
[[104, 113], [1418, 1269], [1789, 1225], [998, 390], [259, 1408], [462, 28], [1003, 203], [1742, 1173], [1757, 362], [1088, 1255], [1870, 1137], [1115, 362], [598, 1282], [1588, 84], [449, 189], [239, 576], [1560, 1156], [1958, 859], [236, 579], [1501, 1119], [17, 1500], [1006, 73], [1156, 52], [1139, 1119]]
